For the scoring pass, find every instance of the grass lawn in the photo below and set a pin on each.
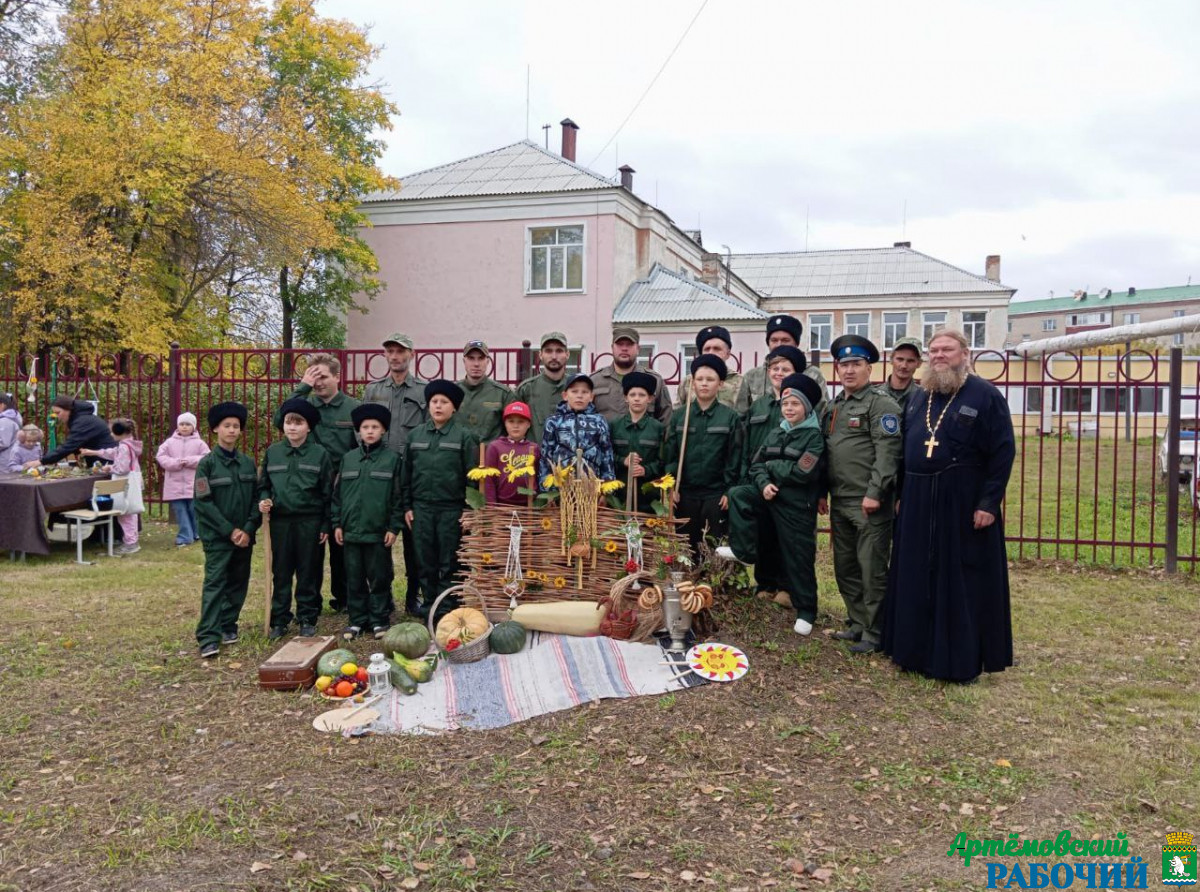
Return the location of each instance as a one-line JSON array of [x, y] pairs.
[[127, 763]]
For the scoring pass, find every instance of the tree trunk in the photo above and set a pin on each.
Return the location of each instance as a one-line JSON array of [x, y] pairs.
[[285, 303]]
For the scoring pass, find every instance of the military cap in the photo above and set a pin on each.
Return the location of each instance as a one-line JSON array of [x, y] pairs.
[[851, 346], [552, 336], [713, 331], [476, 344], [911, 343], [400, 339], [794, 355], [448, 389], [371, 412], [790, 324], [626, 332], [221, 411], [803, 387], [644, 380], [302, 407], [710, 361], [577, 377]]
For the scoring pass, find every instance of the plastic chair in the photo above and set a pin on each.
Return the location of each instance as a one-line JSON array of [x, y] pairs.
[[94, 515]]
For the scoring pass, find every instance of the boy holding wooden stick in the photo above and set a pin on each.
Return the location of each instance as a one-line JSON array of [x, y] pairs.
[[637, 438]]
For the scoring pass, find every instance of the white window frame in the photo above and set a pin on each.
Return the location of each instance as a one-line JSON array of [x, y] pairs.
[[646, 352], [813, 325], [846, 323], [1132, 318], [529, 249], [930, 326], [1177, 340], [686, 352], [890, 333], [975, 327], [576, 356], [1049, 325]]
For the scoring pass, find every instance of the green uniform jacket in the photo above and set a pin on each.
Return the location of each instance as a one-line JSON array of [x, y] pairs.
[[543, 397], [713, 460], [644, 437], [900, 396], [405, 401], [366, 495], [482, 408], [436, 464], [762, 419], [226, 498], [863, 444], [756, 384], [335, 430], [609, 397], [298, 480], [726, 396], [790, 459]]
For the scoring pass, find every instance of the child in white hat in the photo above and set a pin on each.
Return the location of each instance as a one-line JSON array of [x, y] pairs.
[[178, 456]]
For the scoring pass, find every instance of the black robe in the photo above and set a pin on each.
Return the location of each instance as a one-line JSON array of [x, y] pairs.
[[947, 609]]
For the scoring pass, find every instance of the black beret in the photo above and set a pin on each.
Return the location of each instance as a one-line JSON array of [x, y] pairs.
[[644, 380], [302, 407], [448, 389], [790, 324], [710, 361], [221, 411], [371, 412], [794, 355], [713, 331], [854, 347], [809, 389]]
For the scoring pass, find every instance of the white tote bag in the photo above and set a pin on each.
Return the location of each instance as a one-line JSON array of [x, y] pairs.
[[132, 503]]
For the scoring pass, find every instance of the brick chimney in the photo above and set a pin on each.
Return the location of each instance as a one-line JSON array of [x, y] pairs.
[[991, 268], [902, 244], [711, 269], [568, 142], [627, 173]]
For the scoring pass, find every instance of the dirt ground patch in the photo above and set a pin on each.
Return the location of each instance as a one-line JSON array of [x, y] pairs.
[[127, 763]]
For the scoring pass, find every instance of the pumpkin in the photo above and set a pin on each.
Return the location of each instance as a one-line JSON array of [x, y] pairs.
[[465, 624], [507, 638], [407, 639], [331, 663]]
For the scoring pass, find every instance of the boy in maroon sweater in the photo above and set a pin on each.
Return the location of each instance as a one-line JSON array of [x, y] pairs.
[[511, 450]]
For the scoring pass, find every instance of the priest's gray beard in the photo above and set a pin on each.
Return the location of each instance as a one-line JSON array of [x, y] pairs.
[[945, 380]]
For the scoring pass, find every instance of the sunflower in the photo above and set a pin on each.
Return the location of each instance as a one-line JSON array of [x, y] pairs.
[[610, 486], [610, 546], [547, 524], [665, 482], [560, 582], [515, 474], [481, 472], [487, 557], [652, 523]]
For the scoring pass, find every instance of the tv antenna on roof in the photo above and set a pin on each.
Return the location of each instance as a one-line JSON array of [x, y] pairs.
[[546, 131], [1104, 292]]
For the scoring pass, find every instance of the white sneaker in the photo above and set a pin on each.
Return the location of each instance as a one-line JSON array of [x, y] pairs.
[[802, 627], [726, 553]]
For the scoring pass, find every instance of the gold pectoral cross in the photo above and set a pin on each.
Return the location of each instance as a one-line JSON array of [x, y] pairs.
[[929, 444]]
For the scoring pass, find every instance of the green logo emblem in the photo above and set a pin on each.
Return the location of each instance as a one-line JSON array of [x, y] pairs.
[[1179, 860]]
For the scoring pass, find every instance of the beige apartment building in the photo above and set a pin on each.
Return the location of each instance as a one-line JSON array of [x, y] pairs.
[[1036, 319]]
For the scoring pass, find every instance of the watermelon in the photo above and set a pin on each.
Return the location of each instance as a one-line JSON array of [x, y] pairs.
[[331, 663], [407, 639]]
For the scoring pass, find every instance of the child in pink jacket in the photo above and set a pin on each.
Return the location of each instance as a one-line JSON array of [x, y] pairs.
[[126, 462], [178, 456]]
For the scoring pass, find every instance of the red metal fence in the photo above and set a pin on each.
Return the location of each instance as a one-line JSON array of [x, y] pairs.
[[1088, 485]]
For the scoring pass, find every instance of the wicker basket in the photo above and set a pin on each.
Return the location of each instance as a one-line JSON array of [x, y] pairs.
[[470, 652]]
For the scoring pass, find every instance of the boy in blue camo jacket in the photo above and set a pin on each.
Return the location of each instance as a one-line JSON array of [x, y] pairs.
[[576, 425]]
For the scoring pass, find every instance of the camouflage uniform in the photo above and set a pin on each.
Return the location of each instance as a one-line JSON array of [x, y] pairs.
[[567, 430]]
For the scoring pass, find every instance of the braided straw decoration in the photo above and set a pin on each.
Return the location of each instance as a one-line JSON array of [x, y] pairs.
[[650, 619]]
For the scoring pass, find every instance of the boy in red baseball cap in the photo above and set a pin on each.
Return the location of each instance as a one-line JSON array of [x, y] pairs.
[[511, 450]]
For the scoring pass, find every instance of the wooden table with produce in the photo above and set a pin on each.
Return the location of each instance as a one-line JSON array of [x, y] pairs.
[[26, 501]]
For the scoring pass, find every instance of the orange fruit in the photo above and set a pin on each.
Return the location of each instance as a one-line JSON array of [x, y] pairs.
[[344, 689]]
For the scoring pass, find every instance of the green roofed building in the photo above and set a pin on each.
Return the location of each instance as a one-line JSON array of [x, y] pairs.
[[1032, 320]]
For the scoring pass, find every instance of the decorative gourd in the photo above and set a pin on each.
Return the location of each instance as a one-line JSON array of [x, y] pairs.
[[507, 638], [464, 624], [581, 618], [409, 639], [331, 663]]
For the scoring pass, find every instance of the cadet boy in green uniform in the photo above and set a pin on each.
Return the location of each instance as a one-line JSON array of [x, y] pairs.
[[782, 331], [334, 431], [226, 518], [715, 341], [637, 436], [439, 454], [863, 445], [483, 398], [544, 391], [712, 460], [901, 383], [761, 421], [367, 517], [295, 487], [785, 484]]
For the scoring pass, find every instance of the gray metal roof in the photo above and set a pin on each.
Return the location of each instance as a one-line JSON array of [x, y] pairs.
[[521, 168], [664, 296], [862, 271]]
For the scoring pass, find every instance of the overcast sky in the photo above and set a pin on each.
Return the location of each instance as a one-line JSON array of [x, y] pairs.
[[1064, 136]]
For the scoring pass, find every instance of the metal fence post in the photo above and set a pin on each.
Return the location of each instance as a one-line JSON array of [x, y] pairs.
[[525, 361], [1174, 407], [175, 373]]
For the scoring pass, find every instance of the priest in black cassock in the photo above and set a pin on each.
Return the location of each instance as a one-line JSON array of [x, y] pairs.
[[947, 609]]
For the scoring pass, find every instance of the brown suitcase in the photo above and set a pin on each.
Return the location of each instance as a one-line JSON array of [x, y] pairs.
[[294, 665]]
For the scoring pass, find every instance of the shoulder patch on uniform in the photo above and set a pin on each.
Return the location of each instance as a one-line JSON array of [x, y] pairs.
[[807, 461], [890, 423], [202, 486]]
